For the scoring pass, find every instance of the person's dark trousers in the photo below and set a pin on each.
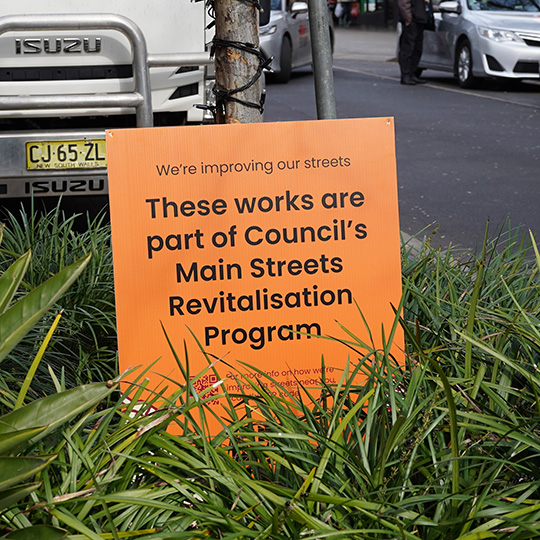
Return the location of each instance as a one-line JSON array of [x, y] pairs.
[[346, 13], [410, 48]]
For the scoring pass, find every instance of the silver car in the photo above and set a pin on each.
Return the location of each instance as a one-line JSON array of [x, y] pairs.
[[484, 38], [286, 37]]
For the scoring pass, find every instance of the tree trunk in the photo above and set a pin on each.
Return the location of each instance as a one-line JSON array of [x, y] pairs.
[[236, 66]]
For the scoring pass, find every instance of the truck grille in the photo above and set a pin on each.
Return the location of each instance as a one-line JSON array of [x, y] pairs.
[[66, 73], [185, 91]]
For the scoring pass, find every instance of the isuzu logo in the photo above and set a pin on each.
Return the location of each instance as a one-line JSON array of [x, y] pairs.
[[57, 45]]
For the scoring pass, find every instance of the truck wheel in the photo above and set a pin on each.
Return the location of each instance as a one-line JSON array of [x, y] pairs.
[[285, 62], [464, 65]]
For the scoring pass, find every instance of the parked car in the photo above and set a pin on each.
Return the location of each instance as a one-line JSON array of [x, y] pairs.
[[286, 37], [484, 38]]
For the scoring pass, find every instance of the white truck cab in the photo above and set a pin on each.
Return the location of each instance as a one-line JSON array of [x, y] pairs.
[[70, 70]]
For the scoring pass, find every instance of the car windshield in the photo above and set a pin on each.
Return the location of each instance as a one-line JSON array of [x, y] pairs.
[[275, 4], [504, 5]]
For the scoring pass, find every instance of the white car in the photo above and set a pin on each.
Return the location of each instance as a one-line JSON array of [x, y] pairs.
[[286, 37], [484, 38]]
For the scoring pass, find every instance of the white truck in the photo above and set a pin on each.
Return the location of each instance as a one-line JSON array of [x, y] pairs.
[[70, 69]]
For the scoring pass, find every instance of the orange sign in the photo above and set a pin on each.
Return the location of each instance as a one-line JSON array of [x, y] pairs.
[[255, 238]]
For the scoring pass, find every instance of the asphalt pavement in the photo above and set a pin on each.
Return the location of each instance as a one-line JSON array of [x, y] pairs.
[[465, 157], [475, 176], [368, 44]]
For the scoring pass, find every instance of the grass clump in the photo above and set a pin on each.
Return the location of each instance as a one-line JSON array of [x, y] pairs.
[[84, 347], [445, 447], [370, 461]]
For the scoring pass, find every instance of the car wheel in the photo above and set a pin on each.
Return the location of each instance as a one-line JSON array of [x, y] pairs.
[[464, 65], [285, 62]]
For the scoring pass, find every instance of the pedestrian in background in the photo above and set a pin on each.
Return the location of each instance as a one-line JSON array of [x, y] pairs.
[[414, 15], [338, 12], [344, 10]]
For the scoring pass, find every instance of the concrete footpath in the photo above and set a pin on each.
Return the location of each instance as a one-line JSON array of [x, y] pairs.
[[360, 43]]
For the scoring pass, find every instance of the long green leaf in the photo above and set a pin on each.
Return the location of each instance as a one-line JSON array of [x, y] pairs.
[[480, 267], [471, 318], [16, 469], [38, 532], [127, 534], [335, 436], [295, 511], [11, 279], [33, 368], [74, 523], [510, 517], [22, 316], [11, 440], [53, 411], [452, 416], [396, 435], [535, 248], [478, 536], [504, 359], [10, 496]]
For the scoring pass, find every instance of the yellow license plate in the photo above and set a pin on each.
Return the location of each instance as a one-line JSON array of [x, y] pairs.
[[55, 155]]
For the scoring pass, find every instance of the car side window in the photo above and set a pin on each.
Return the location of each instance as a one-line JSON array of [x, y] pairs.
[[475, 5]]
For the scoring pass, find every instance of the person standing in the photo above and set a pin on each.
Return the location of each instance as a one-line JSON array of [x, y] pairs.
[[345, 19], [413, 15]]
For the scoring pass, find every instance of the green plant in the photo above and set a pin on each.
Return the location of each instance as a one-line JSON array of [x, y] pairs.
[[20, 433], [360, 461], [23, 427], [84, 347], [444, 447]]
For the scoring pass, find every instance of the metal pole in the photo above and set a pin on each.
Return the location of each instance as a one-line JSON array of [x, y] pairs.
[[321, 48]]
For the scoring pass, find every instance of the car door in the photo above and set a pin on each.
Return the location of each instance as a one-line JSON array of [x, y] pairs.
[[438, 50], [449, 30], [433, 48], [299, 30]]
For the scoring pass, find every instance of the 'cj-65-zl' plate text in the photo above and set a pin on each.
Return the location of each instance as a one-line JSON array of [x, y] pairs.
[[82, 154]]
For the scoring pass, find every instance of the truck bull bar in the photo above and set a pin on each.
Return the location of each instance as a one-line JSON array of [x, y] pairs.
[[139, 99]]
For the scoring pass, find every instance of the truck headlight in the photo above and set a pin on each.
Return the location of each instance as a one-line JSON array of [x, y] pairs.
[[499, 35]]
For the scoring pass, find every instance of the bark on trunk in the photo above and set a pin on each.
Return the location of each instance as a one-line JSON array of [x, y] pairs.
[[236, 21]]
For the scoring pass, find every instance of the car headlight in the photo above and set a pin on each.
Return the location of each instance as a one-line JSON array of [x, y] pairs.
[[271, 30], [499, 35]]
